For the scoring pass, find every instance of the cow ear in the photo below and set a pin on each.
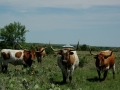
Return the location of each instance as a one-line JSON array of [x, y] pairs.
[[59, 52], [71, 53]]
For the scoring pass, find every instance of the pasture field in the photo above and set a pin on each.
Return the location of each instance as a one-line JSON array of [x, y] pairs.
[[47, 76]]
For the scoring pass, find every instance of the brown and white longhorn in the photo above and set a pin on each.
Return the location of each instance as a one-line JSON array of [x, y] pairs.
[[104, 61]]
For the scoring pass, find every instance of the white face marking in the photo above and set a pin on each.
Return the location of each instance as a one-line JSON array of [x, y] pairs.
[[107, 67]]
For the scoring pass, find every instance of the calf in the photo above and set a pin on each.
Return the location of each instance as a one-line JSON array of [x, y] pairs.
[[67, 61], [104, 61], [17, 57]]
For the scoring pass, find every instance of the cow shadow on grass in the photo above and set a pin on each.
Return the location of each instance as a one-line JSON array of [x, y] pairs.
[[51, 80], [94, 79]]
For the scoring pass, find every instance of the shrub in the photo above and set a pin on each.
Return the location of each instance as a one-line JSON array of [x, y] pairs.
[[82, 61]]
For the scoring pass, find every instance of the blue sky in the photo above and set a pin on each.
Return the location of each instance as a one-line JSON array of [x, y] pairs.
[[92, 22]]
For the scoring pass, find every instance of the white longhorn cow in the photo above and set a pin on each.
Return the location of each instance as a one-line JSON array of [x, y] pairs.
[[67, 61]]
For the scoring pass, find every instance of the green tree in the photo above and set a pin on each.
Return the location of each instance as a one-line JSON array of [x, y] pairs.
[[84, 47], [14, 32]]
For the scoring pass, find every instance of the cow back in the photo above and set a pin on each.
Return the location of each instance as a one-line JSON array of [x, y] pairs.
[[12, 54]]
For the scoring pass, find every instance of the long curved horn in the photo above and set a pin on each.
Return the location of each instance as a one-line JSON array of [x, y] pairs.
[[91, 52], [53, 49], [106, 56], [40, 51], [51, 46], [33, 46], [20, 45]]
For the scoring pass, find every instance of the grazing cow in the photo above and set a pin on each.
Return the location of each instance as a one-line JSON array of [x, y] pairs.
[[104, 61], [40, 53], [67, 61], [17, 57]]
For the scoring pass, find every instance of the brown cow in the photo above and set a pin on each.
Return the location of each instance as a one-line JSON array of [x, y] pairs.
[[40, 53], [17, 57], [104, 61]]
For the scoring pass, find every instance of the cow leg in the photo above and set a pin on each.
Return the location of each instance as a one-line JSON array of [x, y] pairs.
[[30, 63], [105, 75], [99, 74], [39, 59], [24, 65], [70, 78], [64, 78], [4, 68], [113, 71], [71, 73]]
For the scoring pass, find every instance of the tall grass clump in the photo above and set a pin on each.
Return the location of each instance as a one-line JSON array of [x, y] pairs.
[[83, 61]]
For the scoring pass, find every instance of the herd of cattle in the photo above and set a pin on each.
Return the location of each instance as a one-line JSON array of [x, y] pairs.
[[67, 60]]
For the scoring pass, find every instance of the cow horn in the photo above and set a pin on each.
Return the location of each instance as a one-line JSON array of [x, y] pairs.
[[52, 47], [42, 50], [32, 46], [20, 45], [91, 52], [106, 56]]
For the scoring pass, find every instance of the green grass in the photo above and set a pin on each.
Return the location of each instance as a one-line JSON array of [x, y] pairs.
[[47, 76]]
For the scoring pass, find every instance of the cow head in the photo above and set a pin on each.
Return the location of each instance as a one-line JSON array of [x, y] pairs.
[[29, 55], [38, 48], [33, 54], [100, 58], [66, 56], [40, 51], [65, 53]]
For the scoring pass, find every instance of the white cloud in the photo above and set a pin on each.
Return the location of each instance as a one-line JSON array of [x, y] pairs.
[[76, 4], [55, 21]]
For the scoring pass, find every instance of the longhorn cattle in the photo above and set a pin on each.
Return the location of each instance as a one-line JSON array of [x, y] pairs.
[[67, 61], [104, 61], [16, 57], [40, 53]]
